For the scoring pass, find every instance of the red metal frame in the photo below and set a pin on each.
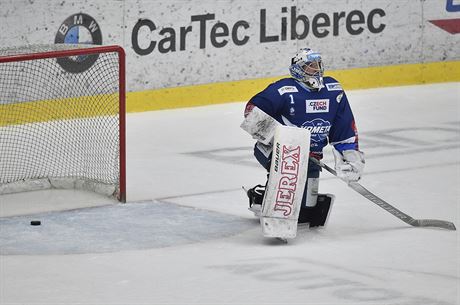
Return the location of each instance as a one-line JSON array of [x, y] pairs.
[[122, 121], [122, 92]]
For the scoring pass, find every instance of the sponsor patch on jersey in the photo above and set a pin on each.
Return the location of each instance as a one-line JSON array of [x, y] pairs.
[[334, 87], [318, 128], [316, 106], [287, 89]]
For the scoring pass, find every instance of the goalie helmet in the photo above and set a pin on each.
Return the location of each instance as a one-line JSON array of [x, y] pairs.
[[307, 67]]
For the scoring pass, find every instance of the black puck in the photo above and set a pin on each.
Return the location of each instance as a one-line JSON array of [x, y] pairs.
[[35, 223]]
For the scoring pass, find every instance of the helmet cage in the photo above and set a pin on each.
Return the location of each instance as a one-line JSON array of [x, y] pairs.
[[307, 67]]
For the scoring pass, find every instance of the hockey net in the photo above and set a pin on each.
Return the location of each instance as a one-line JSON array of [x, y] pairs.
[[62, 119]]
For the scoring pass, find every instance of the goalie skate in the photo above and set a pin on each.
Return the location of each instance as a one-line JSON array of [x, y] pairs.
[[256, 197]]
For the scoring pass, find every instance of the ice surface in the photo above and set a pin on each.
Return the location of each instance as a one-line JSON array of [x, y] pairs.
[[200, 158], [121, 227]]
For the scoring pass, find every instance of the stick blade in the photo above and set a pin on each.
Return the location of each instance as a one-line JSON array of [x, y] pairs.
[[434, 223]]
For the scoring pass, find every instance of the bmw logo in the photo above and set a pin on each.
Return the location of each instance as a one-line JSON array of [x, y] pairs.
[[78, 29]]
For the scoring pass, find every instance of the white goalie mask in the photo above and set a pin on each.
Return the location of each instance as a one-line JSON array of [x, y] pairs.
[[307, 67]]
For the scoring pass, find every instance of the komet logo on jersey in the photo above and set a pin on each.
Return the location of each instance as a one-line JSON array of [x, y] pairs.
[[318, 128], [316, 106]]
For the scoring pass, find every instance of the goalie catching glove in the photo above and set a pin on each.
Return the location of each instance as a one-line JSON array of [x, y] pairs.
[[349, 164]]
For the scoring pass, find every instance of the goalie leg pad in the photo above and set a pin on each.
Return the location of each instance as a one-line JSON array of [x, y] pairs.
[[310, 195], [286, 183], [318, 215]]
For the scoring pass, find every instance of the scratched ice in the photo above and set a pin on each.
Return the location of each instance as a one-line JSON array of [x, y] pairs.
[[186, 236]]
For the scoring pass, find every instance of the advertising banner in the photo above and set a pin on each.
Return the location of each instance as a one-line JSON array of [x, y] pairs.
[[186, 42]]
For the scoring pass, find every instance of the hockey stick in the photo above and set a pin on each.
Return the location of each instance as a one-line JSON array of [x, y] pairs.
[[388, 207]]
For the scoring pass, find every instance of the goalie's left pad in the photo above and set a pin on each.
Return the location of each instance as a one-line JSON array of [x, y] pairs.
[[317, 215], [286, 183]]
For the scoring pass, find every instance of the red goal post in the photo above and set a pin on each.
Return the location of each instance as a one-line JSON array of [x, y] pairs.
[[62, 118]]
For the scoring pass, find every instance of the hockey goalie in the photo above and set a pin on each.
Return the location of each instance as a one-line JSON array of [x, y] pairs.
[[292, 120]]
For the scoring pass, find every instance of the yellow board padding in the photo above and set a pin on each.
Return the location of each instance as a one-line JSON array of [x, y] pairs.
[[58, 109], [398, 75], [243, 90], [197, 95]]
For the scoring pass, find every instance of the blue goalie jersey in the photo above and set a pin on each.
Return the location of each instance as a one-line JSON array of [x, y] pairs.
[[325, 113]]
